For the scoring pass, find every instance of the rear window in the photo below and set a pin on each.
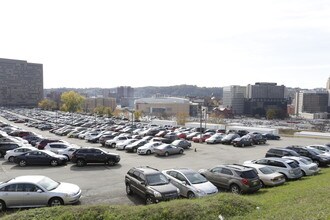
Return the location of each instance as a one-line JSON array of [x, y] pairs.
[[249, 174]]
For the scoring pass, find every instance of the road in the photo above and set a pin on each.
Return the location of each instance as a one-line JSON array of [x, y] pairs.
[[104, 184]]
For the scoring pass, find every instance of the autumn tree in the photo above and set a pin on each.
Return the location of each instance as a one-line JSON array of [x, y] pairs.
[[137, 115], [181, 118], [47, 104], [72, 101]]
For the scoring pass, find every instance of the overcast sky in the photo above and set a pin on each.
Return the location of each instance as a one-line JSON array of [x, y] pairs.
[[106, 44]]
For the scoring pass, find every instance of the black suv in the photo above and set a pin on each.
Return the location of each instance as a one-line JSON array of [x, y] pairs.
[[317, 156], [4, 146], [83, 156], [150, 184], [281, 152]]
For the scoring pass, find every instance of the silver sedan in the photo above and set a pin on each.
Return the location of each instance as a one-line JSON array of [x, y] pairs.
[[167, 149], [36, 191]]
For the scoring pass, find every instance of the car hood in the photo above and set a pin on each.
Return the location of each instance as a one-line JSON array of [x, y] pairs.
[[68, 188], [164, 188], [206, 187]]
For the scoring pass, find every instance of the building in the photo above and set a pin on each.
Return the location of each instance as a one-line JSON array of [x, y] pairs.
[[125, 96], [264, 96], [163, 106], [21, 83], [233, 98], [313, 102], [92, 103]]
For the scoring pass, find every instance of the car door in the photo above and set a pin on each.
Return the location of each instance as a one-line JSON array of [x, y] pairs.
[[11, 196], [34, 195], [98, 156], [225, 176], [214, 176], [177, 180]]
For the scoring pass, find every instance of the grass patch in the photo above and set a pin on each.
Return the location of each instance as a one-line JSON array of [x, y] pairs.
[[302, 199]]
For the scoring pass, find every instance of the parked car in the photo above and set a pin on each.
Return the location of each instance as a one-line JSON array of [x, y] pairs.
[[229, 138], [56, 146], [112, 142], [5, 146], [40, 157], [257, 138], [150, 184], [43, 142], [182, 143], [148, 148], [307, 166], [242, 141], [36, 191], [289, 168], [235, 178], [122, 145], [270, 136], [323, 148], [317, 156], [168, 149], [190, 183], [84, 156], [200, 138], [268, 177], [135, 145], [214, 139], [10, 154], [68, 151], [281, 152]]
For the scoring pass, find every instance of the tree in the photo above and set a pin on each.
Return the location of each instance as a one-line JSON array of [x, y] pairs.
[[47, 104], [72, 101], [137, 115], [181, 118], [271, 114]]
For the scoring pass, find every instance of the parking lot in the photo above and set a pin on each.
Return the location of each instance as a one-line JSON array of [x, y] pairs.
[[105, 184]]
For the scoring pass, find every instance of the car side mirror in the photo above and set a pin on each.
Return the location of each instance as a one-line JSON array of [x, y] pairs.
[[184, 182], [142, 182], [39, 191]]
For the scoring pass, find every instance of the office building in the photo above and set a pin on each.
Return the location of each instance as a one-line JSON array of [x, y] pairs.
[[233, 98], [21, 83], [311, 102], [125, 96]]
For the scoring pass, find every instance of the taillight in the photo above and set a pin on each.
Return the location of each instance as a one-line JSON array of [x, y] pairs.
[[245, 181]]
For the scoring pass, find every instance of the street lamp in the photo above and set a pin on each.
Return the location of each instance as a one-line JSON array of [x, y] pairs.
[[132, 113]]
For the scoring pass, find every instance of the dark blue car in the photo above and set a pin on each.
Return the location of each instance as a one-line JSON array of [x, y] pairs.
[[40, 157]]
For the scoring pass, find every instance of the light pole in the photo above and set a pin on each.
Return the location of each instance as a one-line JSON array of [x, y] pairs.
[[132, 113]]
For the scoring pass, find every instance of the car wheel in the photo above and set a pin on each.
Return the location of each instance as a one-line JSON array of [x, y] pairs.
[[80, 163], [55, 202], [148, 152], [235, 189], [22, 163], [303, 172], [166, 154], [262, 184], [2, 206], [67, 156], [134, 150], [113, 145], [191, 195], [54, 163], [11, 159], [181, 152], [149, 200], [128, 189], [111, 162]]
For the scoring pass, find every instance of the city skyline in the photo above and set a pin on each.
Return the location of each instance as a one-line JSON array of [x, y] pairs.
[[83, 44]]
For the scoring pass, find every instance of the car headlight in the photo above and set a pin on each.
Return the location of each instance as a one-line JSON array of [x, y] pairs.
[[70, 194], [178, 191], [157, 194]]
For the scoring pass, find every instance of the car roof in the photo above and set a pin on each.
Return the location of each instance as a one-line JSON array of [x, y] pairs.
[[182, 170], [238, 167], [28, 178], [147, 169], [279, 159]]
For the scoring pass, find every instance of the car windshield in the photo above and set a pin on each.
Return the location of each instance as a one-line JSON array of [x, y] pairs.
[[266, 170], [157, 179], [315, 151], [48, 183], [304, 161], [195, 178]]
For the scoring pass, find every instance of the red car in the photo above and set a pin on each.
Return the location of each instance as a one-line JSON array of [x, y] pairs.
[[182, 135], [200, 138]]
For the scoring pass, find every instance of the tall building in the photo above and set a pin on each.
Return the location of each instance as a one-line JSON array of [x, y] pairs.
[[311, 102], [233, 98], [261, 97], [92, 103], [125, 96], [21, 83]]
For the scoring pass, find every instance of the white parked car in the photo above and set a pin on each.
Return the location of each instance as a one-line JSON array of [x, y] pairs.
[[148, 148], [56, 146], [307, 166], [36, 191], [10, 154], [68, 151], [122, 145], [323, 148], [268, 177], [113, 142], [190, 183]]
